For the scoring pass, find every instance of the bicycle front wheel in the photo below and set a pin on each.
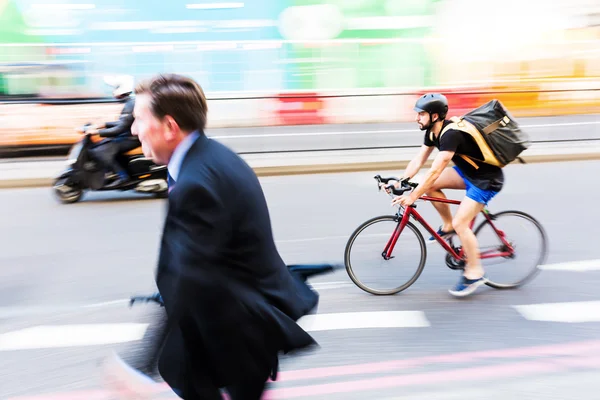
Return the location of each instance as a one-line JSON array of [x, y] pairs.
[[370, 270], [529, 241]]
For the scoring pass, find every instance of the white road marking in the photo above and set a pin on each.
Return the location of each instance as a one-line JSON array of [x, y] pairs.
[[22, 311], [330, 285], [574, 312], [317, 239], [561, 124], [576, 266], [120, 302], [366, 132], [364, 320], [296, 134], [55, 336], [81, 335]]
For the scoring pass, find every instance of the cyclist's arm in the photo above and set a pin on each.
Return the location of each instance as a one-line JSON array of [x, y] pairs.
[[416, 163], [439, 163]]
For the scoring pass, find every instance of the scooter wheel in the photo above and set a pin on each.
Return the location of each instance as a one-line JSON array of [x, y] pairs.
[[67, 194]]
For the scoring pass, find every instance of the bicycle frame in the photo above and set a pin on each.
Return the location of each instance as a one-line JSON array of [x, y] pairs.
[[412, 212]]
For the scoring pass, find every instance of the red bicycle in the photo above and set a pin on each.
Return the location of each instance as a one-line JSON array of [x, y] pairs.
[[388, 245]]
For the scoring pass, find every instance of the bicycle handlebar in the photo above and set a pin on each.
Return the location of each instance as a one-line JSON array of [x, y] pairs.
[[405, 185]]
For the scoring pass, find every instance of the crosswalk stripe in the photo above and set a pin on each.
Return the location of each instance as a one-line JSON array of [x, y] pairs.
[[79, 335], [22, 311], [330, 285], [573, 312], [53, 336], [363, 320], [576, 266]]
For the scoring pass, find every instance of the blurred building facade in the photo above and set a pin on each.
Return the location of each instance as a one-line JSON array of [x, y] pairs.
[[275, 46], [282, 62]]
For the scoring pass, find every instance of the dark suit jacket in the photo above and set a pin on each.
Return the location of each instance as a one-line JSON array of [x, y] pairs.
[[230, 299]]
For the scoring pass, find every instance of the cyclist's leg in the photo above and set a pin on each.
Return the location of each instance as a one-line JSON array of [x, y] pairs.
[[468, 209], [448, 179], [473, 275]]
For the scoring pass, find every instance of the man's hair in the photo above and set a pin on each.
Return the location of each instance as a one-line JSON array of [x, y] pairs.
[[178, 96]]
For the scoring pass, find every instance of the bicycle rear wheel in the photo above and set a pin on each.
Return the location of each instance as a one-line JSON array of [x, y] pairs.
[[529, 241], [367, 267]]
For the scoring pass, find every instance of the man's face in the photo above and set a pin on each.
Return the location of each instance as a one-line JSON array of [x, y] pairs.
[[423, 120], [151, 131]]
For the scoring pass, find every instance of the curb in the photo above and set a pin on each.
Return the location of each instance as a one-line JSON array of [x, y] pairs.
[[287, 170], [25, 183]]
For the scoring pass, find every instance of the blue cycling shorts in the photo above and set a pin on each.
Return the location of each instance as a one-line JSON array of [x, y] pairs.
[[473, 192]]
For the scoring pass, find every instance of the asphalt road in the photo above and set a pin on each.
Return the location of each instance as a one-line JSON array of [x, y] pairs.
[[386, 135], [381, 135], [64, 266]]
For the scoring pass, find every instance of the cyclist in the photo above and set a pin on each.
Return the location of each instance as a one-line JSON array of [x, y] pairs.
[[481, 182]]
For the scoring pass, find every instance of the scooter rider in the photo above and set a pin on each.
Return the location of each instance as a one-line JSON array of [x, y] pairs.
[[119, 132]]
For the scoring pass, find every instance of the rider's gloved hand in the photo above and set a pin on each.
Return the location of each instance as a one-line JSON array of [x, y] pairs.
[[396, 184]]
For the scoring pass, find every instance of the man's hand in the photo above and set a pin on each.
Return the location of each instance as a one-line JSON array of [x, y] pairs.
[[404, 200]]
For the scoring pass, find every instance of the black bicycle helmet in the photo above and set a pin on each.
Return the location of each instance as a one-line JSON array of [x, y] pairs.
[[433, 103]]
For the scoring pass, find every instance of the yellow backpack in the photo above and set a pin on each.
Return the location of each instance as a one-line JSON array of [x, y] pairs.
[[496, 133]]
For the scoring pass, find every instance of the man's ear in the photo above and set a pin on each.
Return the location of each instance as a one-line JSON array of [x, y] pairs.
[[172, 127], [434, 118]]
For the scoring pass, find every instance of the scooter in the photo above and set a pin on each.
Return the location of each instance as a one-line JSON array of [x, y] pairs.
[[83, 172]]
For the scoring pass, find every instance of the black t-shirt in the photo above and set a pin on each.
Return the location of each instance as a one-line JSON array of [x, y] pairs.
[[486, 177]]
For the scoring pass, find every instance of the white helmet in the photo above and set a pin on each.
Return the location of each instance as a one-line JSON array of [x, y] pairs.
[[122, 85]]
